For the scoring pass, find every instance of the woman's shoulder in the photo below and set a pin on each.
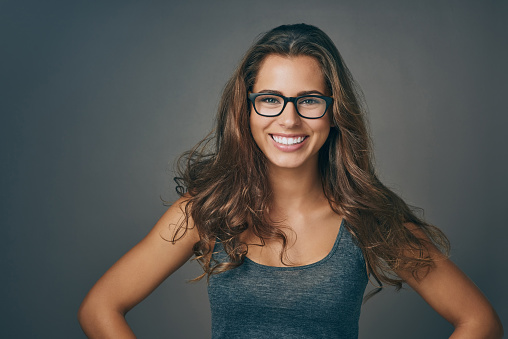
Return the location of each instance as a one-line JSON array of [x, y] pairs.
[[177, 222]]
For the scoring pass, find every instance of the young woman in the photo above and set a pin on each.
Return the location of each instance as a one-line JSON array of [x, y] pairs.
[[284, 211]]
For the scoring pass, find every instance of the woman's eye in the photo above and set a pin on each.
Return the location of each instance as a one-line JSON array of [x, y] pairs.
[[309, 101], [270, 100]]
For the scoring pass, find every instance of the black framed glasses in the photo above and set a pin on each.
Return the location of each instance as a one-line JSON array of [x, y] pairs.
[[307, 106]]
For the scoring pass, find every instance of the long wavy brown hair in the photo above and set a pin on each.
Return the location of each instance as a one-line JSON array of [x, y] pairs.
[[226, 188]]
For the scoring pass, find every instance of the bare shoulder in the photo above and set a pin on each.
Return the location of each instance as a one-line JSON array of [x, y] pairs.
[[175, 224]]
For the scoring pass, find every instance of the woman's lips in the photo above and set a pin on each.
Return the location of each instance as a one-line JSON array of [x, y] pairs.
[[288, 143]]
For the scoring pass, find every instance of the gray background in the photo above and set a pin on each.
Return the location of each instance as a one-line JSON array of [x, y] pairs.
[[99, 98]]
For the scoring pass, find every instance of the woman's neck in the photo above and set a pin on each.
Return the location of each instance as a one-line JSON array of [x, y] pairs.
[[296, 189]]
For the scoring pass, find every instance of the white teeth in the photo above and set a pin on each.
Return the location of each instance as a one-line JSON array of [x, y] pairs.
[[287, 141]]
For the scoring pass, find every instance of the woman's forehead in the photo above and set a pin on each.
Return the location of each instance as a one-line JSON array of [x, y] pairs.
[[289, 74]]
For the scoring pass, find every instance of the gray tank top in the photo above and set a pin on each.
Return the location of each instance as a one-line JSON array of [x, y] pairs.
[[320, 300]]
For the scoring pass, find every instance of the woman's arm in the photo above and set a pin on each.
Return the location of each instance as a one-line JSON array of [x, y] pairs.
[[456, 298], [135, 276]]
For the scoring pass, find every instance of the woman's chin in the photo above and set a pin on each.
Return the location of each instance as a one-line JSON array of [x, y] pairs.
[[292, 164]]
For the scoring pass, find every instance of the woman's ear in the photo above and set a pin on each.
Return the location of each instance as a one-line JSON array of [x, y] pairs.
[[332, 122]]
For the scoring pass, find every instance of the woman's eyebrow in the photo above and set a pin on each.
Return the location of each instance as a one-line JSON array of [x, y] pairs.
[[310, 92], [272, 91]]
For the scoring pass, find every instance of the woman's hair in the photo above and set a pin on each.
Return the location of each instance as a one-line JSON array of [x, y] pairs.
[[224, 178]]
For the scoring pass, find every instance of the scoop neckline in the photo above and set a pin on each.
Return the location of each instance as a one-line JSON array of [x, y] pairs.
[[300, 267]]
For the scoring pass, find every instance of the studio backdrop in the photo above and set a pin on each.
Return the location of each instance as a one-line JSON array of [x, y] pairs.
[[98, 98]]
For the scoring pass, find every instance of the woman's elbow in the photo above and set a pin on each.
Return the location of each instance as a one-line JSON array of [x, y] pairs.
[[94, 315], [99, 317], [497, 329], [494, 325], [87, 314], [488, 326]]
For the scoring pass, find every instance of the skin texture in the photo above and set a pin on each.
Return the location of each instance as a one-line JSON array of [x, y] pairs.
[[299, 204]]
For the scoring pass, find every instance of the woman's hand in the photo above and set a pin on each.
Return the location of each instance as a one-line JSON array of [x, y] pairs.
[[135, 276], [455, 297]]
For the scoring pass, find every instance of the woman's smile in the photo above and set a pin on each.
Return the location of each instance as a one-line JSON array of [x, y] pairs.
[[288, 140]]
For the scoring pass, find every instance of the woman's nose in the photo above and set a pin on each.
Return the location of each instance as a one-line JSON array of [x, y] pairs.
[[289, 116]]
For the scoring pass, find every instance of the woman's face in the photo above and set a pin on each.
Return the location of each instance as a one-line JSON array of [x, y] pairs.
[[288, 140]]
